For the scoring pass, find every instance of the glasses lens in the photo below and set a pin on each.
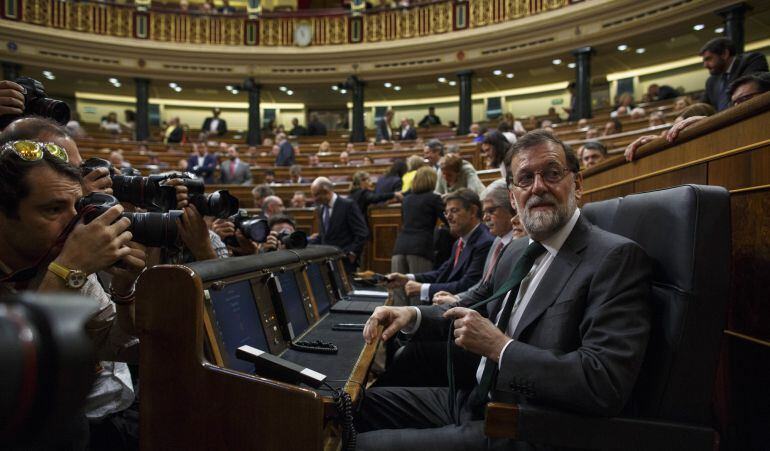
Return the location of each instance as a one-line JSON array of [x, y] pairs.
[[553, 175], [524, 180], [57, 151], [28, 150]]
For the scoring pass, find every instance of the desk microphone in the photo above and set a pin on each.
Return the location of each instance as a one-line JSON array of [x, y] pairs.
[[272, 367]]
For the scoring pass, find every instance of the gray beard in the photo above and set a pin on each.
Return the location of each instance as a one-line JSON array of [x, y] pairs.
[[542, 224]]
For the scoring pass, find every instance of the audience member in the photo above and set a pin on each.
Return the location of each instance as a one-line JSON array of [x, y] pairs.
[[342, 223], [657, 118], [613, 126], [214, 125], [430, 118], [278, 224], [464, 269], [296, 129], [592, 153], [516, 126], [361, 192], [226, 9], [681, 103], [233, 171], [393, 180], [259, 193], [174, 133], [725, 66], [432, 152], [110, 123], [344, 159], [73, 126], [272, 205], [384, 132], [504, 128], [270, 177], [572, 113], [286, 155], [315, 127], [408, 132], [313, 160], [295, 174], [494, 148], [665, 92], [474, 131], [590, 369], [456, 173], [116, 158], [298, 200], [413, 163]]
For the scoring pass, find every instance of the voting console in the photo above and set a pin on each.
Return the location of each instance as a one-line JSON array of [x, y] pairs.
[[199, 391]]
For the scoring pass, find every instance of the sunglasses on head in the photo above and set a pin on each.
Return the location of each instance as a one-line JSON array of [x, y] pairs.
[[33, 151]]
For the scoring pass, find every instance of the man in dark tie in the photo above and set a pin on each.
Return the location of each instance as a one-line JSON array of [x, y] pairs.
[[725, 66], [465, 267], [568, 320], [342, 223]]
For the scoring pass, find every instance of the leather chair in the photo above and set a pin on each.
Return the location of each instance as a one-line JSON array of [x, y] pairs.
[[686, 232]]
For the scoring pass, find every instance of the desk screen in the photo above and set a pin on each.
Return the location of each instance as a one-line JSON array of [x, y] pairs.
[[237, 320], [342, 292], [319, 288], [292, 304]]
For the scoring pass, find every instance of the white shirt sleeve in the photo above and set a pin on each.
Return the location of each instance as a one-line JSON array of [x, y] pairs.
[[425, 292], [502, 352], [416, 325]]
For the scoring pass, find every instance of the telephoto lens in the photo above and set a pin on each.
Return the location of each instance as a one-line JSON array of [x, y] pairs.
[[255, 228], [220, 204], [37, 103], [150, 229], [293, 240]]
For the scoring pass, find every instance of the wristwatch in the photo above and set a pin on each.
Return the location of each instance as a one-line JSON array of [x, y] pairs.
[[73, 278]]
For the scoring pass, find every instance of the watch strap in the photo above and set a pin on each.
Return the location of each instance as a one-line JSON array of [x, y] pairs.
[[59, 270]]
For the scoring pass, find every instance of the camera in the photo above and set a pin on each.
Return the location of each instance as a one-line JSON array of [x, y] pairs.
[[46, 368], [293, 240], [151, 229], [255, 229], [149, 192], [37, 103]]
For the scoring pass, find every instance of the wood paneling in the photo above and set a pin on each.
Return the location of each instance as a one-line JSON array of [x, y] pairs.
[[691, 174], [742, 170]]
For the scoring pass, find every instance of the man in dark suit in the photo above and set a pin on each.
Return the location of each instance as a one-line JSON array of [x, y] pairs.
[[202, 163], [430, 118], [296, 129], [465, 267], [719, 57], [384, 132], [214, 125], [315, 127], [407, 132], [342, 223], [568, 328], [286, 155], [233, 171]]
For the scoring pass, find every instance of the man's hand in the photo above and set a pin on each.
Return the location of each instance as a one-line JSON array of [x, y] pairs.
[[476, 334], [134, 263], [97, 180], [444, 297], [98, 245], [412, 288], [271, 243], [352, 257], [634, 146], [245, 245], [11, 98], [674, 131], [195, 234], [223, 227], [392, 319], [396, 280], [181, 192]]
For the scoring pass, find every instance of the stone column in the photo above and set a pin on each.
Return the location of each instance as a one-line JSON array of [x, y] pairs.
[[466, 103], [734, 17], [357, 133], [254, 138], [142, 127], [583, 82], [11, 71]]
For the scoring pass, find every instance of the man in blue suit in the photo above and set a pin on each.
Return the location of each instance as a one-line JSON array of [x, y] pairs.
[[342, 223], [202, 163], [286, 154], [465, 266]]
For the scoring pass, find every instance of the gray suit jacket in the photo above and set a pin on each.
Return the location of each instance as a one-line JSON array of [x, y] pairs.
[[465, 295], [581, 340], [242, 175]]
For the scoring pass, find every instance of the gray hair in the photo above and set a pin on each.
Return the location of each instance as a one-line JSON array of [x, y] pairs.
[[497, 193]]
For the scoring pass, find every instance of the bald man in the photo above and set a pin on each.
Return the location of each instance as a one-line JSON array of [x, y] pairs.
[[342, 223]]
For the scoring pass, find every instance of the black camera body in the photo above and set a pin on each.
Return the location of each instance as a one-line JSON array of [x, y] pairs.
[[293, 240], [37, 103], [149, 192], [253, 228], [152, 229]]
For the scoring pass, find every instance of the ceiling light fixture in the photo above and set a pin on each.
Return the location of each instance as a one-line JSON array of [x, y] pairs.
[[698, 27], [178, 89], [557, 61], [343, 91], [497, 72], [572, 65], [235, 91], [719, 30], [335, 88], [388, 84], [442, 79], [49, 75], [283, 88], [172, 85], [641, 50], [622, 47], [229, 87], [290, 92], [452, 83], [509, 75], [397, 88]]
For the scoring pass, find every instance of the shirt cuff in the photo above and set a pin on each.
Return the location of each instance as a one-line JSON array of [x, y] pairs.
[[424, 292], [411, 330], [502, 352], [410, 277]]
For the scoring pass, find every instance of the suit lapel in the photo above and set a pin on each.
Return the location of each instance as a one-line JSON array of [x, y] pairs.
[[506, 263], [556, 278], [466, 252]]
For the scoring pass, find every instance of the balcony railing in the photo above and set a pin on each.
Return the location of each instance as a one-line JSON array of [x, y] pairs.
[[271, 29]]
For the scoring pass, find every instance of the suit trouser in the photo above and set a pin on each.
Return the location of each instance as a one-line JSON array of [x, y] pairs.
[[422, 363], [408, 264], [419, 418]]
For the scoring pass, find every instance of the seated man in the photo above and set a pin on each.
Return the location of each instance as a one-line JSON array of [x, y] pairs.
[[37, 208], [465, 268], [278, 224], [592, 153], [298, 200], [569, 320]]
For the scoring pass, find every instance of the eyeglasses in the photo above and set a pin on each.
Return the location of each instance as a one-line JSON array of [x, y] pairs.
[[490, 211], [552, 174], [33, 151]]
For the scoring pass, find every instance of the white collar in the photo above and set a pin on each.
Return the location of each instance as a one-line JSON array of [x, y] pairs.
[[554, 243], [468, 235], [333, 200], [505, 239]]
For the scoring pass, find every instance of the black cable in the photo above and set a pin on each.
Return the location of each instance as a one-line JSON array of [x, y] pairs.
[[344, 405], [316, 347]]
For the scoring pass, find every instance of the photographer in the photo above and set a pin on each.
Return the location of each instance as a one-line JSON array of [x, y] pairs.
[[280, 225], [38, 251]]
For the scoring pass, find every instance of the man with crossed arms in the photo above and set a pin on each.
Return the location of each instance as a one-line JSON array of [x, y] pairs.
[[573, 326]]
